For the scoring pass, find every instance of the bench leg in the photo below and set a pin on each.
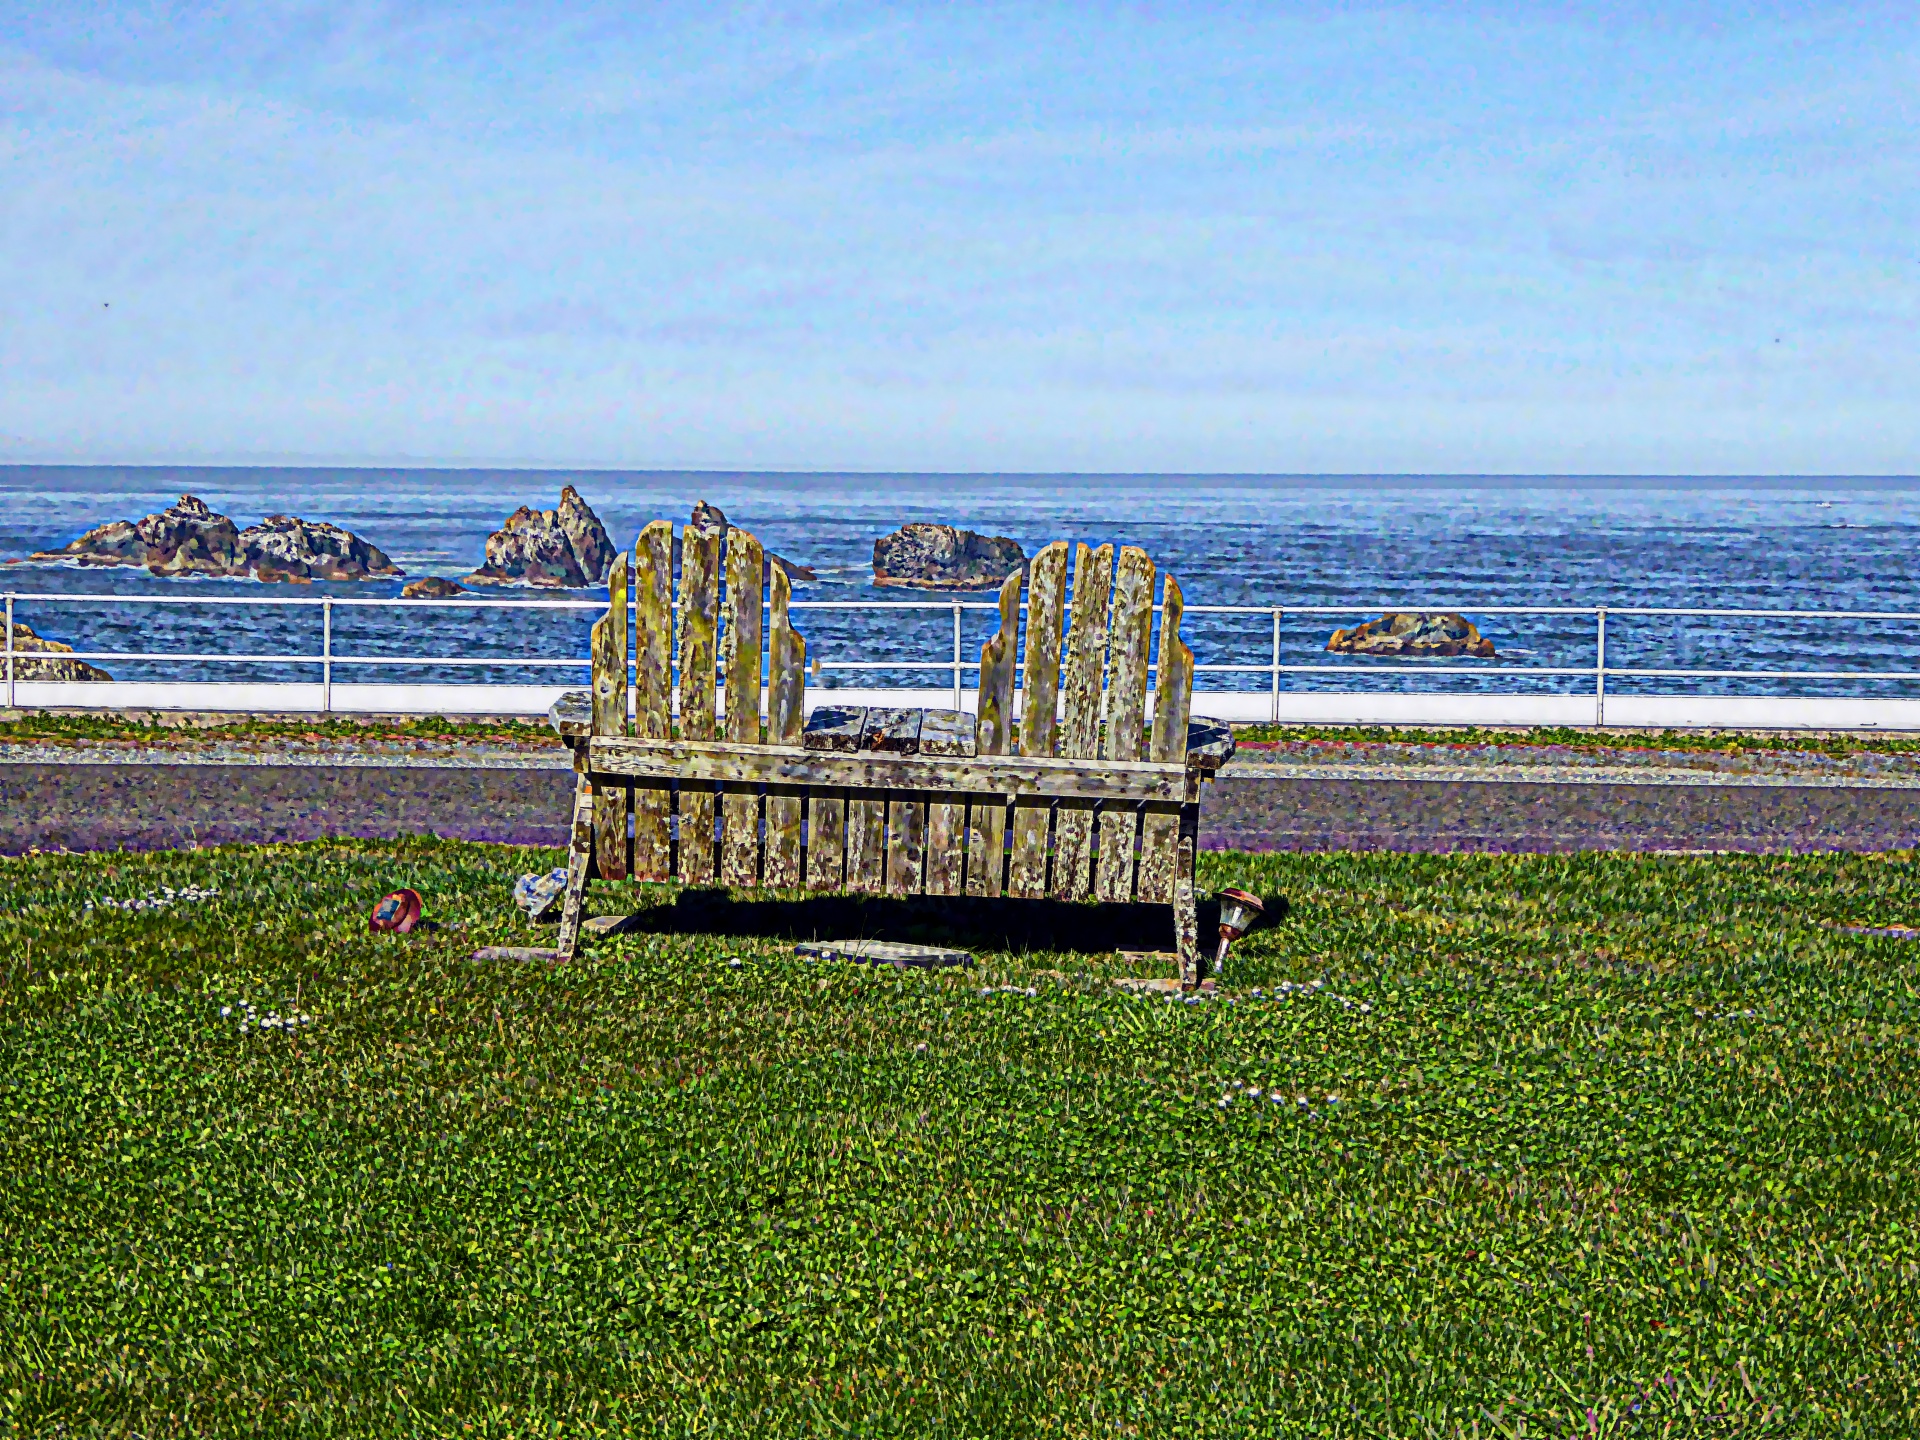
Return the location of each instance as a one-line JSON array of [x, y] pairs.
[[579, 857], [1186, 926]]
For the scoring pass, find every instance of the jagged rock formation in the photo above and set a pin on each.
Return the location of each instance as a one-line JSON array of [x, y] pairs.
[[26, 643], [300, 551], [710, 518], [1417, 635], [188, 538], [940, 557], [563, 549], [430, 587]]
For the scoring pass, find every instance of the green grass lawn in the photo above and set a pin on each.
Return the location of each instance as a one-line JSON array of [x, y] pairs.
[[1595, 1145]]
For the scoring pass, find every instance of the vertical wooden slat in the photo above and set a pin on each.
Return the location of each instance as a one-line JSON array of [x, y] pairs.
[[699, 609], [1086, 652], [653, 691], [579, 862], [740, 806], [1173, 689], [1159, 835], [1132, 637], [987, 815], [745, 569], [906, 843], [946, 856], [1040, 679], [1186, 929], [1039, 716], [946, 733], [786, 706], [826, 838], [866, 841], [1126, 714], [1080, 726], [1173, 694], [610, 718]]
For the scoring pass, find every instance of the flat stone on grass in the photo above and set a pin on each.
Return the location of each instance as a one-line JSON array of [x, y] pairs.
[[884, 952]]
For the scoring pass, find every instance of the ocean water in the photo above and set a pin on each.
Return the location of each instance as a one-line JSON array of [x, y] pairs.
[[1359, 542]]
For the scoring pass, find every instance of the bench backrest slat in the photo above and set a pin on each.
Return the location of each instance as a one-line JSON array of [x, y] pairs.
[[1173, 688], [993, 734], [609, 650], [653, 632], [653, 692], [1132, 630], [1086, 652], [699, 630], [1040, 681], [744, 567]]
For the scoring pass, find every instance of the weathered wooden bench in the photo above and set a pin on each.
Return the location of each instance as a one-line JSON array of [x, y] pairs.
[[1074, 798]]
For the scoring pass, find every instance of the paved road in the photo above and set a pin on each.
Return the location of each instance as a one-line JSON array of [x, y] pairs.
[[95, 798]]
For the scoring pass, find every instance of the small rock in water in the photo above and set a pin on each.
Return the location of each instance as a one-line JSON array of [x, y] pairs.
[[940, 557], [1399, 633], [431, 587]]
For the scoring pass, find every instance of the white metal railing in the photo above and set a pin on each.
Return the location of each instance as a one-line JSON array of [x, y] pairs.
[[957, 665]]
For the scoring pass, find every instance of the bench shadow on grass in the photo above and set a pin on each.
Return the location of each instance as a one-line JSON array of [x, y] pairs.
[[962, 922]]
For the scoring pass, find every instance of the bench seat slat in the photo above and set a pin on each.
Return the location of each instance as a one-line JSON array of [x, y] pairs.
[[791, 765]]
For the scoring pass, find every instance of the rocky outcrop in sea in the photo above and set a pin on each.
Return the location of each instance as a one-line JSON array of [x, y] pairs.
[[1414, 635], [940, 557], [562, 549], [190, 538], [36, 658], [284, 548], [710, 518], [430, 587]]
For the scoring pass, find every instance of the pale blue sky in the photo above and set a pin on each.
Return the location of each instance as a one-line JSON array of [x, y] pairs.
[[1445, 238]]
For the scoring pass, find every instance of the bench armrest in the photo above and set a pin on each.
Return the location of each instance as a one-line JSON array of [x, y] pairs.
[[572, 715], [1209, 745]]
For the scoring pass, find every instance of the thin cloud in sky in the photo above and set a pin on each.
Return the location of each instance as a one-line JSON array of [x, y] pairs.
[[1022, 237]]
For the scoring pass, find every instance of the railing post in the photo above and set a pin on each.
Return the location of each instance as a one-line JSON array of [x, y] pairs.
[[1276, 664], [10, 692], [956, 654], [1600, 667], [326, 656]]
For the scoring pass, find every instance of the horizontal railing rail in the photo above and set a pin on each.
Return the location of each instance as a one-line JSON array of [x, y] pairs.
[[956, 665]]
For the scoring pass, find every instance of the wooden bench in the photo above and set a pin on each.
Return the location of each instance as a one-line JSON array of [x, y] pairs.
[[1080, 795]]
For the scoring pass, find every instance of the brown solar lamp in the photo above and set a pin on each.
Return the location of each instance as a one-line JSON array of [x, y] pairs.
[[1238, 913]]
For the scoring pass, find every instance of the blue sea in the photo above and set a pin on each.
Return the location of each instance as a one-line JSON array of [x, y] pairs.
[[1364, 543]]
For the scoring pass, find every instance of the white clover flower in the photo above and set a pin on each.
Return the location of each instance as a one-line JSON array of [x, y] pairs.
[[1277, 1098], [1304, 1101], [225, 1011]]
